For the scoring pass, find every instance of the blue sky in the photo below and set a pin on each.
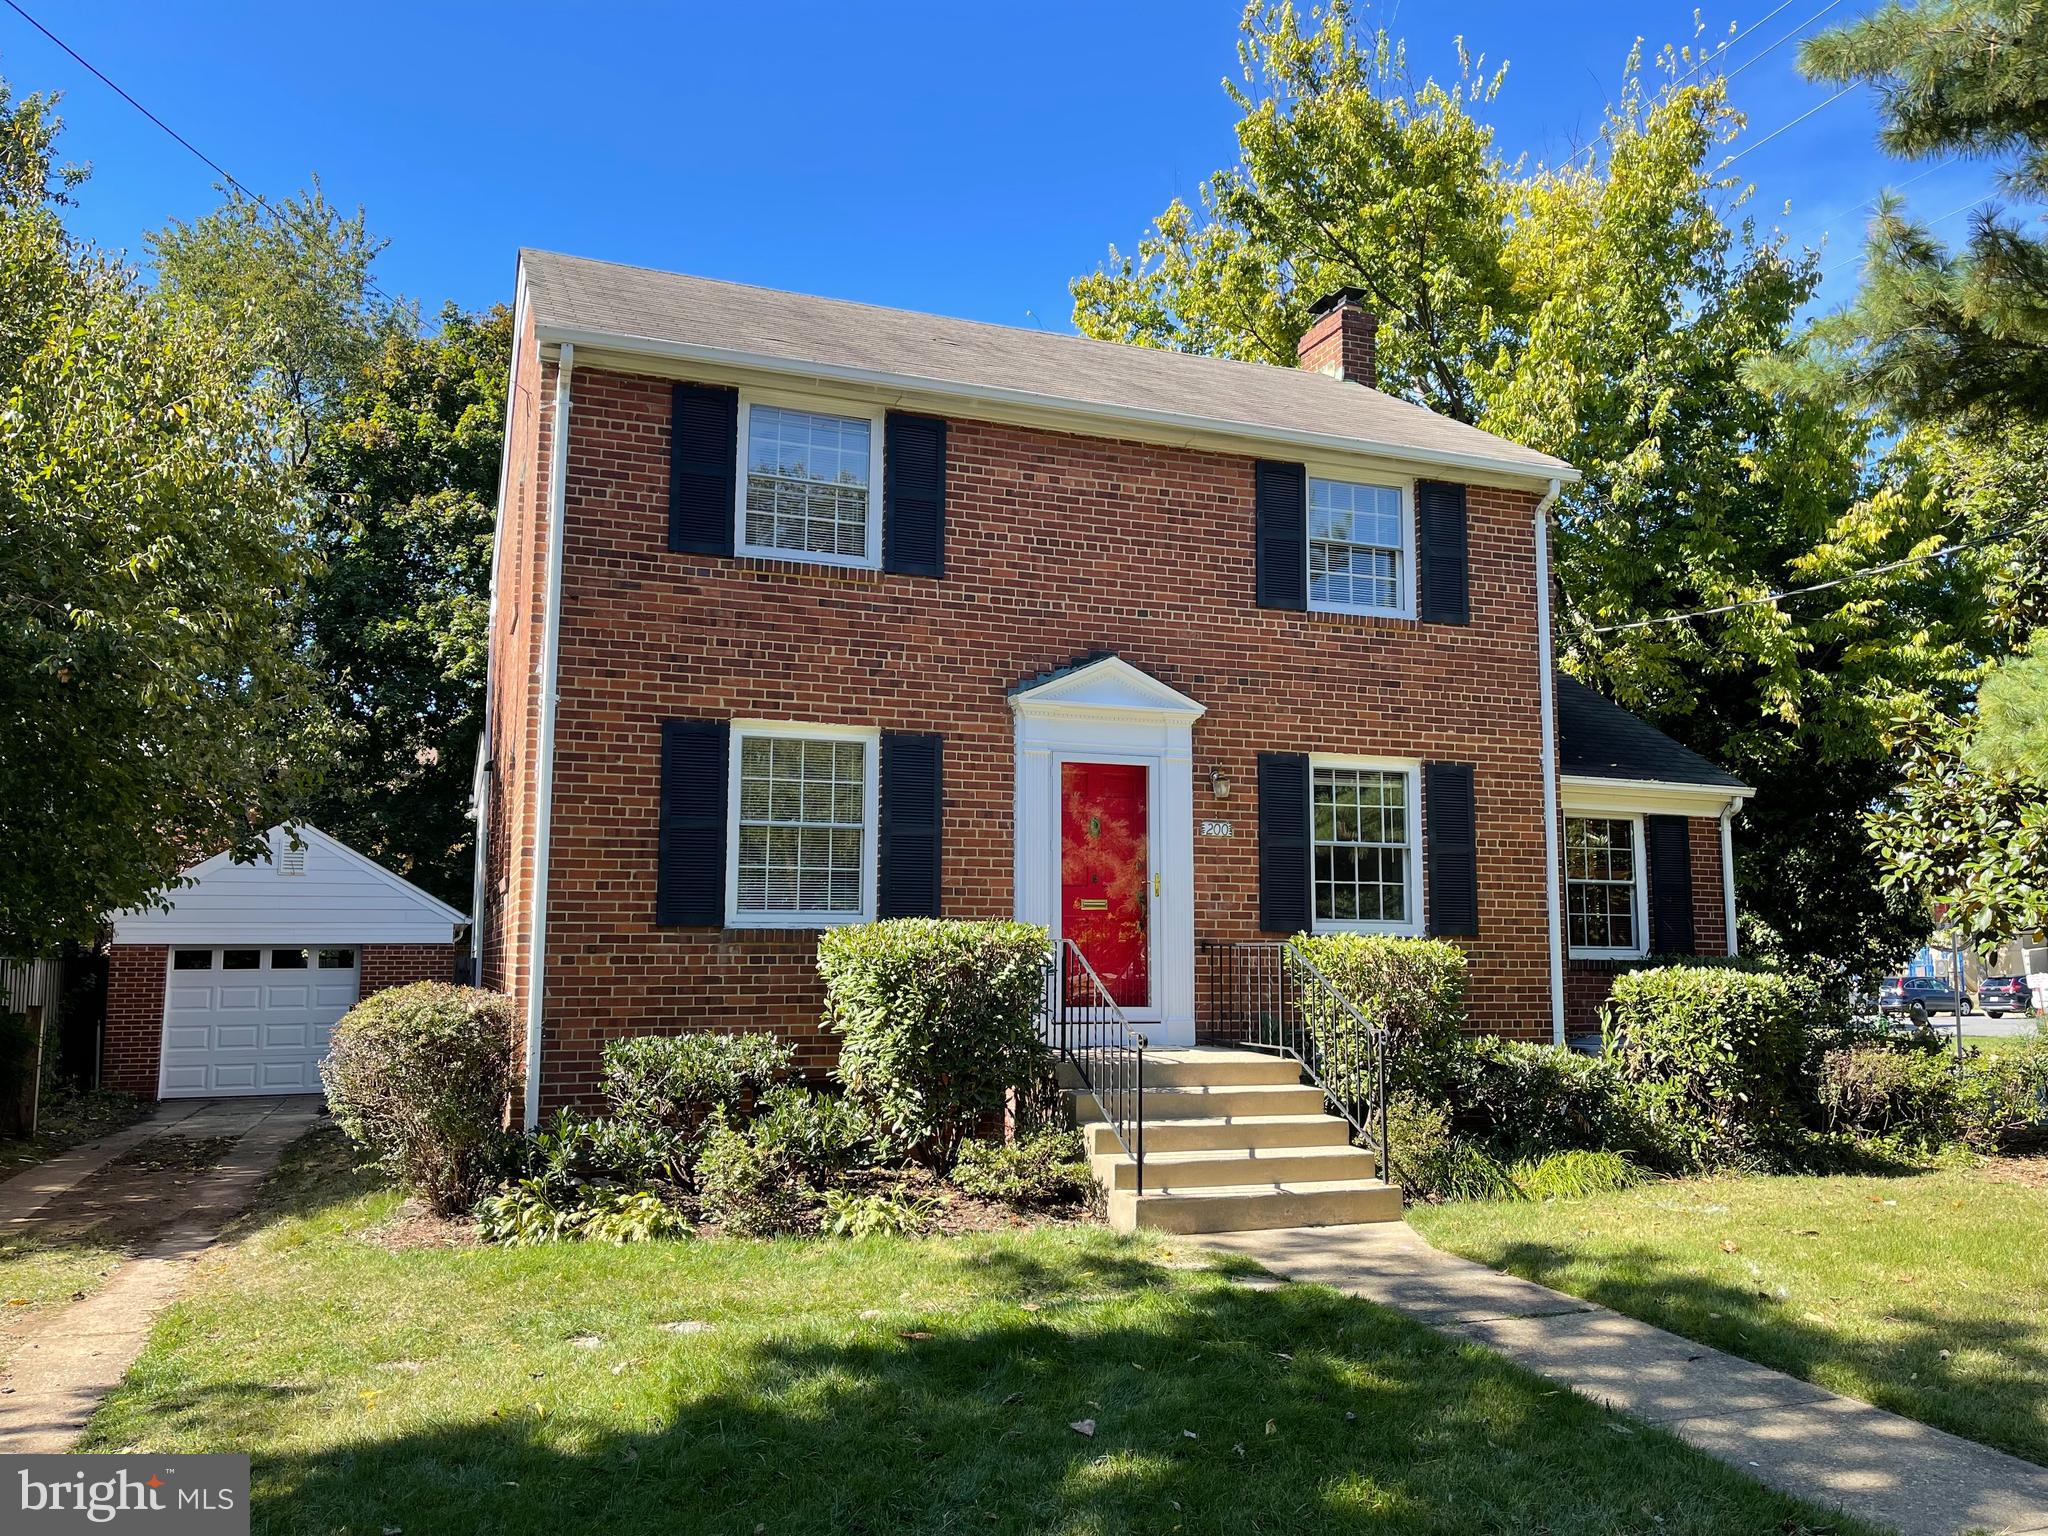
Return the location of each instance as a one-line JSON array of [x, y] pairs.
[[964, 159]]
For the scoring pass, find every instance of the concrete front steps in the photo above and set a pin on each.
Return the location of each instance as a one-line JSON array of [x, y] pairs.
[[1234, 1142]]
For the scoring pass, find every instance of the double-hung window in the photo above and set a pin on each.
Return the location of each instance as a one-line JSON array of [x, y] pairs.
[[1603, 874], [802, 826], [810, 482], [1360, 546], [1364, 825]]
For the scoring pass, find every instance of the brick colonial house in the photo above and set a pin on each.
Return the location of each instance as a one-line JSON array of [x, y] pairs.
[[805, 612], [232, 986]]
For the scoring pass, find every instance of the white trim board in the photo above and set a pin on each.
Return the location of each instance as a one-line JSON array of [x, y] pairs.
[[1622, 797]]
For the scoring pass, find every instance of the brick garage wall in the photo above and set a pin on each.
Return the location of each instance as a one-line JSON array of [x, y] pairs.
[[1587, 982], [132, 1049], [395, 965], [1057, 545]]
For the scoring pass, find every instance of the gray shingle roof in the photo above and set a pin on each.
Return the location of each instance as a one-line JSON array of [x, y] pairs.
[[945, 356], [1597, 738]]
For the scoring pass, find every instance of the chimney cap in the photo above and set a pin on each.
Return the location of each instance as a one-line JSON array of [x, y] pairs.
[[1337, 298]]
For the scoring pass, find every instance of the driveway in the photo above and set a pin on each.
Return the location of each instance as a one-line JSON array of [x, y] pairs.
[[154, 1199]]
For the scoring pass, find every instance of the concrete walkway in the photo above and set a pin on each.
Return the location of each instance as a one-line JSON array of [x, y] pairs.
[[62, 1369], [1789, 1433]]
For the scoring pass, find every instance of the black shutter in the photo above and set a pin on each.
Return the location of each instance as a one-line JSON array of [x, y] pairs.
[[1280, 492], [1442, 577], [1283, 842], [911, 813], [1670, 853], [703, 444], [914, 495], [689, 886], [1450, 826]]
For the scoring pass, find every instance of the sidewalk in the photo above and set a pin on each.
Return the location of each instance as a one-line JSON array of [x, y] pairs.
[[78, 1354], [1795, 1436]]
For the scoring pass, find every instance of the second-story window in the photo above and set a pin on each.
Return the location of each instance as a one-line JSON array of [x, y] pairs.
[[1358, 547], [809, 484]]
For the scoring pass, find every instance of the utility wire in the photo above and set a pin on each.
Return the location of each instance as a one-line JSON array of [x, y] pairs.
[[1818, 586], [1816, 16], [190, 148], [1760, 143]]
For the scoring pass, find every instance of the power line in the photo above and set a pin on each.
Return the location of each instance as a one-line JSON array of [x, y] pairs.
[[1760, 143], [1818, 586], [1939, 218], [186, 144], [1816, 16]]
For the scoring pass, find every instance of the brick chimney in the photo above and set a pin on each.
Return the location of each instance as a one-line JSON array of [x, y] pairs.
[[1340, 336]]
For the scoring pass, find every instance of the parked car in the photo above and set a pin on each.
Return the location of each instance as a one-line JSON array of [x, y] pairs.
[[2000, 995], [1900, 994]]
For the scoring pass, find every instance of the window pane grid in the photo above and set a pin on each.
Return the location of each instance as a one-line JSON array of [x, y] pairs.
[[1355, 542], [807, 481], [1600, 882], [803, 810], [1359, 819]]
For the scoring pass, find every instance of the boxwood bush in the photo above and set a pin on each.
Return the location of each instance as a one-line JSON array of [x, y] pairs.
[[1712, 1055], [937, 1021], [1412, 988], [673, 1083], [422, 1078]]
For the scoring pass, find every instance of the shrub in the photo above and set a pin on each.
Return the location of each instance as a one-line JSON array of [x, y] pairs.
[[1046, 1169], [1412, 988], [2002, 1100], [891, 1213], [748, 1188], [531, 1211], [937, 1021], [1431, 1162], [1576, 1173], [572, 1150], [1884, 1091], [675, 1082], [420, 1077], [1529, 1100], [1712, 1055], [819, 1135]]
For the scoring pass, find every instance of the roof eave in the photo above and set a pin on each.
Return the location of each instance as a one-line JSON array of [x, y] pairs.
[[1537, 476]]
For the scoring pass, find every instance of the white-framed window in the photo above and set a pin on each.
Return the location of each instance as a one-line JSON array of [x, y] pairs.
[[1365, 839], [1605, 902], [1361, 545], [802, 809], [810, 480]]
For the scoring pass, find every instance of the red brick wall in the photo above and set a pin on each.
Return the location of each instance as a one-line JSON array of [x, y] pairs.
[[1587, 982], [130, 1051], [394, 965], [1057, 545]]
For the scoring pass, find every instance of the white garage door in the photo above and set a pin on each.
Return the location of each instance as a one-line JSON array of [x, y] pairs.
[[251, 1020]]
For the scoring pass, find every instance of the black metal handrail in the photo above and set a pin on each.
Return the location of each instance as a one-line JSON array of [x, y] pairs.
[[1267, 995], [1088, 1029]]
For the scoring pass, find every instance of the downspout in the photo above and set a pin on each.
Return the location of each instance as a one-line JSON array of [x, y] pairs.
[[1546, 691], [544, 766], [1728, 868]]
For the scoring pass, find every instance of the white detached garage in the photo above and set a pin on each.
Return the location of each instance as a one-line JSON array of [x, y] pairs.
[[259, 961]]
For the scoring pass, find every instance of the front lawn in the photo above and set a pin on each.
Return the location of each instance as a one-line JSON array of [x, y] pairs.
[[886, 1385], [1926, 1293]]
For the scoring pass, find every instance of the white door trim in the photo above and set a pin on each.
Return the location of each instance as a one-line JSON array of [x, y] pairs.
[[1110, 711]]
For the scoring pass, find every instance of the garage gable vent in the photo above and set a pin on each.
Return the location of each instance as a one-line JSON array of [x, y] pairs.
[[291, 861]]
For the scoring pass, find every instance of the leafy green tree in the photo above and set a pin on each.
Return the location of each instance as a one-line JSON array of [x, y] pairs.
[[1935, 332], [152, 709], [405, 468], [399, 435], [1608, 310]]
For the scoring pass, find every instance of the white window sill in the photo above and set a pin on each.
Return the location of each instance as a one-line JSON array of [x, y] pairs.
[[794, 919], [1338, 610], [1608, 954], [804, 557], [1382, 930]]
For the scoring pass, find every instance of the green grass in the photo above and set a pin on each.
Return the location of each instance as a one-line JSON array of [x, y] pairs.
[[888, 1385], [35, 1276], [1925, 1293]]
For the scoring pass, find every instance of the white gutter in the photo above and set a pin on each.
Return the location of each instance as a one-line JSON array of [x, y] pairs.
[[1728, 869], [1546, 691], [1555, 471], [544, 766]]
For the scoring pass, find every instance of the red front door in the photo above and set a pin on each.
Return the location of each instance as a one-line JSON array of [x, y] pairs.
[[1104, 869]]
